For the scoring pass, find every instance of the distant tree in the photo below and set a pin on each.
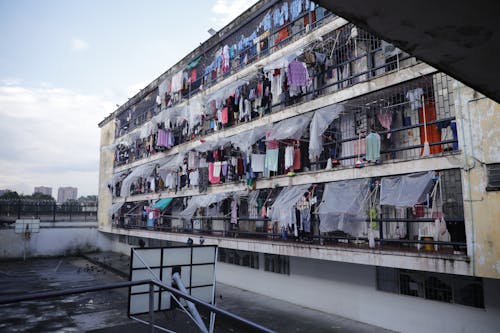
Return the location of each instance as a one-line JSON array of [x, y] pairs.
[[41, 196], [10, 195]]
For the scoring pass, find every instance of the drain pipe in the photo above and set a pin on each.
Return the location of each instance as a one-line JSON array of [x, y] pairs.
[[468, 167], [192, 308]]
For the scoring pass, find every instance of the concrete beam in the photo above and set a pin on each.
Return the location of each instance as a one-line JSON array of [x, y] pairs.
[[422, 261]]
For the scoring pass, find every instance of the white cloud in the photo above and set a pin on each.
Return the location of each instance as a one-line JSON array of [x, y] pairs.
[[49, 137], [78, 45], [227, 10]]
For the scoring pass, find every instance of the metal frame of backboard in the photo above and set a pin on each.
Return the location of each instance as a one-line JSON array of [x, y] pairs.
[[27, 226], [195, 264]]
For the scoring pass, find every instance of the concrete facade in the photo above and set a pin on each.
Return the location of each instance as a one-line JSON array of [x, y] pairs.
[[350, 290]]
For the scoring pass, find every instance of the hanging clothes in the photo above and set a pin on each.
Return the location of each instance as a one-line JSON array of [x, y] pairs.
[[296, 159], [433, 132], [297, 74], [385, 119], [258, 162], [234, 212], [373, 147], [272, 159], [289, 153], [203, 176], [414, 96]]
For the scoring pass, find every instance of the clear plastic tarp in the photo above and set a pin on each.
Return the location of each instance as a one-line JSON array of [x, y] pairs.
[[148, 129], [246, 139], [141, 171], [344, 206], [406, 190], [115, 208], [173, 115], [211, 144], [116, 178], [292, 128], [202, 201], [195, 111], [162, 88], [228, 89], [129, 138], [170, 164], [321, 120], [283, 209]]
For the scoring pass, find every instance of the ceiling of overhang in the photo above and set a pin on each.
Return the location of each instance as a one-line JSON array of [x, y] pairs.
[[460, 38]]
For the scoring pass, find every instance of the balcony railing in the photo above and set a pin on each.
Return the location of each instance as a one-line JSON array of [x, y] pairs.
[[267, 230], [46, 211]]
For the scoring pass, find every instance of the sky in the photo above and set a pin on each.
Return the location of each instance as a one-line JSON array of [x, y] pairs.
[[66, 65]]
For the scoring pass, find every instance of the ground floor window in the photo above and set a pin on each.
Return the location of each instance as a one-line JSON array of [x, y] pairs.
[[447, 288], [239, 257], [277, 264]]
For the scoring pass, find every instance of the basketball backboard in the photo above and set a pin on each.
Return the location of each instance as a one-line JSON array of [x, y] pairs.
[[27, 226]]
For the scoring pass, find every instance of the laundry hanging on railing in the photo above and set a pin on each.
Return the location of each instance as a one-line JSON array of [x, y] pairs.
[[321, 120], [406, 190], [177, 81], [344, 206], [117, 177], [283, 209]]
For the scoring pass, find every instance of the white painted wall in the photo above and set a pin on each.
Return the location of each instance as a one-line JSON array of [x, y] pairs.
[[53, 241], [349, 290]]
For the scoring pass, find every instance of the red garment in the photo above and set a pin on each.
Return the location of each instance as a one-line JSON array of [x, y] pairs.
[[282, 35], [225, 116], [433, 133], [240, 169], [193, 75], [306, 18], [296, 159]]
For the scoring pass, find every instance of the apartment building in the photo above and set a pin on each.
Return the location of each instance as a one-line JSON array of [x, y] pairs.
[[66, 193], [43, 189], [332, 169]]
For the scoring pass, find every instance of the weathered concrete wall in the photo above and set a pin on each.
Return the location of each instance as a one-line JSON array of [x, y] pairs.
[[105, 173], [69, 238], [350, 290], [478, 120]]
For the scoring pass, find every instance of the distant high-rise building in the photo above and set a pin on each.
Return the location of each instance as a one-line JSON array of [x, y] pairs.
[[2, 192], [66, 193], [43, 189]]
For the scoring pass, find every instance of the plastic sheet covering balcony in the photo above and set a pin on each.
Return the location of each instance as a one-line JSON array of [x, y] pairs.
[[292, 128], [246, 139], [283, 61], [174, 115], [202, 201], [115, 208], [283, 209], [147, 129], [170, 164], [141, 171], [344, 206], [116, 178], [129, 138], [406, 190], [228, 89], [195, 111], [321, 120], [211, 144], [162, 88]]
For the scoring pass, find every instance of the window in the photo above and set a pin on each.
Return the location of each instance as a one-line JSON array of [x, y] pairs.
[[493, 171], [277, 264], [239, 257], [447, 288], [122, 238]]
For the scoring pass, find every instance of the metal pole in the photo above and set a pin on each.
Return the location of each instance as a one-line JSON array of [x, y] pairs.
[[192, 308], [151, 307]]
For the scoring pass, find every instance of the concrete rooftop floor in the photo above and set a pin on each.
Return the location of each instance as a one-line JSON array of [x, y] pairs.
[[106, 311]]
